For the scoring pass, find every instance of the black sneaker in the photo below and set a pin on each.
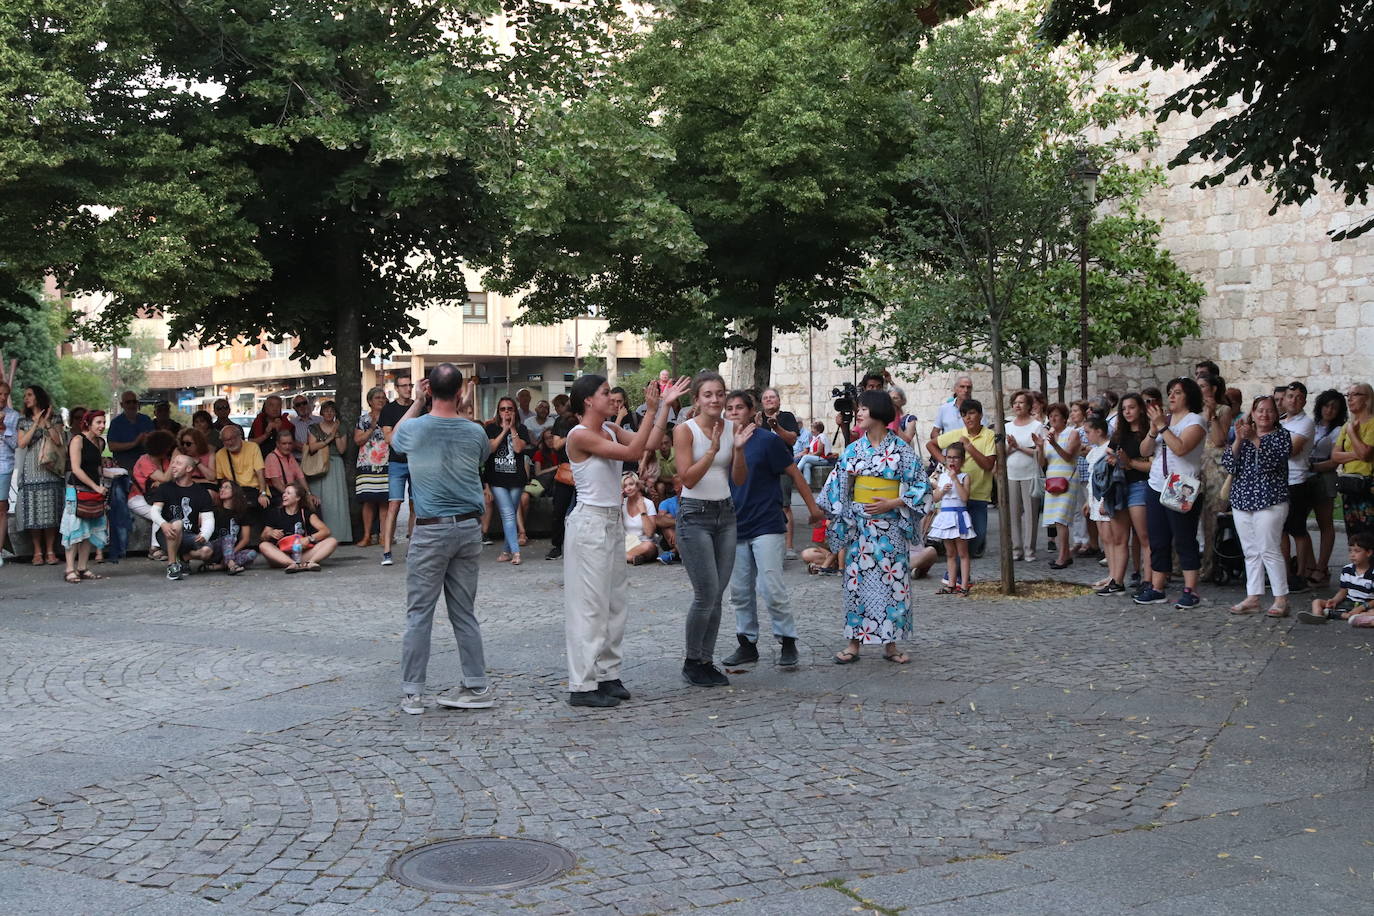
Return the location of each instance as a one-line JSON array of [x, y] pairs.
[[1135, 582], [1297, 584], [788, 658], [554, 553], [746, 654], [613, 689], [488, 540], [174, 572], [1111, 588], [593, 698], [703, 674]]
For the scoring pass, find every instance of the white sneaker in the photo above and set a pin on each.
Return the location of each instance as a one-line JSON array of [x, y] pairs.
[[469, 698], [790, 554], [414, 704]]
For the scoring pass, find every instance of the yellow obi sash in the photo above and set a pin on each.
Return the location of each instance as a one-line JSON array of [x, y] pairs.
[[869, 489]]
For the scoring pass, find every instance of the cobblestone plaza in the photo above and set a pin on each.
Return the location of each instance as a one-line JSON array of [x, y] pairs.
[[228, 745]]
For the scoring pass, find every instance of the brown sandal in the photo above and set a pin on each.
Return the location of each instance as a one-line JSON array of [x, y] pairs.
[[87, 574], [73, 577]]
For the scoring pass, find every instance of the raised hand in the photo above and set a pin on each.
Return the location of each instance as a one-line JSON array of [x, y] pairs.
[[673, 391], [743, 435]]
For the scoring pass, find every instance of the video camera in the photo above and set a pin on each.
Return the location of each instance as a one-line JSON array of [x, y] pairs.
[[846, 400]]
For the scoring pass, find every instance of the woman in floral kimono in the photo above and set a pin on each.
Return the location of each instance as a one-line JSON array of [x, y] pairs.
[[875, 499]]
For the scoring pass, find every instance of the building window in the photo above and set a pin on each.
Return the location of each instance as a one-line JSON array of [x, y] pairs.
[[475, 309], [279, 350]]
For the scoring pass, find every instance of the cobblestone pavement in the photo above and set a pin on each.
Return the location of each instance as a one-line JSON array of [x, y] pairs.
[[235, 745]]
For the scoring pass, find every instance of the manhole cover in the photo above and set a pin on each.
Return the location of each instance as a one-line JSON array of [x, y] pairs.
[[484, 863]]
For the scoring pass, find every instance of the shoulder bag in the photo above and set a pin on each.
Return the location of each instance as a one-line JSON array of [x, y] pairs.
[[316, 463], [1180, 490], [52, 457]]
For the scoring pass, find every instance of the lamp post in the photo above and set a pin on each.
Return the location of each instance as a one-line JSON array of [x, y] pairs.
[[507, 326], [1085, 175]]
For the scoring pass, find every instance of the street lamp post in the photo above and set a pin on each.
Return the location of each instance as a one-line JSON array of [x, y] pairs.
[[1085, 174], [507, 326]]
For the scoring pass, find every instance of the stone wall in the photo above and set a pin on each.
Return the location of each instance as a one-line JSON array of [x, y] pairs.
[[1283, 301]]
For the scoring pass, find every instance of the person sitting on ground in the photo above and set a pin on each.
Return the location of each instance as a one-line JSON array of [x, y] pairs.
[[202, 421], [151, 470], [229, 545], [666, 519], [638, 512], [186, 517], [280, 468], [290, 525], [545, 459], [1357, 585]]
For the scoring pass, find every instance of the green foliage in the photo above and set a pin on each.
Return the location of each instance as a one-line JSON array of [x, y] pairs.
[[86, 381], [29, 338], [1301, 72], [722, 181]]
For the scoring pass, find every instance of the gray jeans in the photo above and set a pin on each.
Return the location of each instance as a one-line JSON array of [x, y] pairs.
[[706, 541], [758, 574], [442, 560]]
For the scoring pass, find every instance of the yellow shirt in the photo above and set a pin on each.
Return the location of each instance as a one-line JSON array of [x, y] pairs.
[[1343, 445], [979, 480], [245, 465]]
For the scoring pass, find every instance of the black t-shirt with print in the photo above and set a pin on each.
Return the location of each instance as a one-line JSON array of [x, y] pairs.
[[183, 504], [505, 466]]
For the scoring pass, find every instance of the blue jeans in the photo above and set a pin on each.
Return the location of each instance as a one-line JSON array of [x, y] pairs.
[[507, 503], [978, 515], [442, 562], [758, 572], [121, 519], [706, 542]]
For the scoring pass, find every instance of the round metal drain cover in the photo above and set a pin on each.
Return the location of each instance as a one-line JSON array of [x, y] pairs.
[[484, 863]]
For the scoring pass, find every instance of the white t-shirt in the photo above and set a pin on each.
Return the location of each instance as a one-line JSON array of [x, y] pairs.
[[1300, 425], [1021, 466], [1189, 464], [1096, 455], [634, 524]]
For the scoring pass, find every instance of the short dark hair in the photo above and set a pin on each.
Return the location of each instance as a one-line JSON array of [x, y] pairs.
[[957, 448], [159, 443], [1362, 539], [161, 404], [743, 395], [1192, 392], [620, 391], [1298, 386], [873, 377], [202, 415], [1211, 367], [971, 404], [445, 381], [1326, 397], [879, 404], [1098, 423], [582, 389], [1059, 408]]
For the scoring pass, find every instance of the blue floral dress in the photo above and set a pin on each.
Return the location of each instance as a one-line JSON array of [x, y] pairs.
[[877, 571]]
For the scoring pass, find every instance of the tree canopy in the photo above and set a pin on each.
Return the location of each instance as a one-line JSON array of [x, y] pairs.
[[1301, 73]]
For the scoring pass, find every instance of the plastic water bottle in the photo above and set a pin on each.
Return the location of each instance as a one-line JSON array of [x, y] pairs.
[[298, 547]]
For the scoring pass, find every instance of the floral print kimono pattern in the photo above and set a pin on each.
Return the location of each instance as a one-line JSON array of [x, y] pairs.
[[877, 569]]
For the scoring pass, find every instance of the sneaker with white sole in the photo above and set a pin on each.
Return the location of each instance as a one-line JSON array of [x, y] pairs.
[[386, 559], [790, 554], [413, 704], [469, 698]]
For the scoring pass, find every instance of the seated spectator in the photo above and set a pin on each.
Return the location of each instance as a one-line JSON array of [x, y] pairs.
[[242, 464], [202, 421], [294, 538], [819, 559], [229, 545], [162, 418], [666, 519], [638, 512], [815, 454], [545, 458], [186, 518], [281, 468], [1357, 586], [192, 442], [151, 471]]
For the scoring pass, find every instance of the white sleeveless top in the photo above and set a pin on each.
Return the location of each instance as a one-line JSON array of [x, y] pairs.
[[597, 479], [715, 483]]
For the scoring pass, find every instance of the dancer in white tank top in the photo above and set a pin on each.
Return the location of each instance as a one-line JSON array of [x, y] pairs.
[[594, 540], [705, 446]]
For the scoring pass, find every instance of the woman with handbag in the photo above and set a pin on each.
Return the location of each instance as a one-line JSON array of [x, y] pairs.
[[83, 515], [1174, 445], [1354, 453], [371, 485], [1059, 459], [1330, 414], [1258, 463], [327, 438], [41, 463], [1023, 475]]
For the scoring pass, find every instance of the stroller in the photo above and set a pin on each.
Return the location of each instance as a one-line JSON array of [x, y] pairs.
[[1228, 559]]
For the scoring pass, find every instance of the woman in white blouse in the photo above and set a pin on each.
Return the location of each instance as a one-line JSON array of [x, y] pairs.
[[1174, 445], [1023, 469]]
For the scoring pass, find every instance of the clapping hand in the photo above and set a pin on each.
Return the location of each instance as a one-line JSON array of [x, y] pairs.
[[742, 434], [667, 393], [1155, 413]]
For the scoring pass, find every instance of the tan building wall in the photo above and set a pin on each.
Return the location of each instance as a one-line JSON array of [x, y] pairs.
[[1283, 301]]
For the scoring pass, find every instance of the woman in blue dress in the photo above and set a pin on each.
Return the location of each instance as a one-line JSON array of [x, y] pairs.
[[875, 498]]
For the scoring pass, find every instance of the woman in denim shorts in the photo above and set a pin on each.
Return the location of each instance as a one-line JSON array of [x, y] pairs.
[[1132, 427]]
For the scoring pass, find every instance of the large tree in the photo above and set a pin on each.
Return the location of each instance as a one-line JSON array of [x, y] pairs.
[[723, 181], [1300, 72], [311, 168]]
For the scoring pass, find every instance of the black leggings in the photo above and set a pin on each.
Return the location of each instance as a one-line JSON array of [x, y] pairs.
[[563, 498], [1170, 531]]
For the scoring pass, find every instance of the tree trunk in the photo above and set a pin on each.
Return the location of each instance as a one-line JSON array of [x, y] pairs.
[[1003, 488], [1024, 361], [1044, 376], [1063, 372], [348, 359], [763, 356]]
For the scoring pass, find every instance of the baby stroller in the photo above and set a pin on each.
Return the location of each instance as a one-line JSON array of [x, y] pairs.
[[1228, 559]]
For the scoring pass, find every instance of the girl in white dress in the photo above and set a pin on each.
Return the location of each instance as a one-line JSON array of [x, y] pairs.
[[952, 523]]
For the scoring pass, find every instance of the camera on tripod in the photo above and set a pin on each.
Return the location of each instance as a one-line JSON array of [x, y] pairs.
[[846, 399]]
